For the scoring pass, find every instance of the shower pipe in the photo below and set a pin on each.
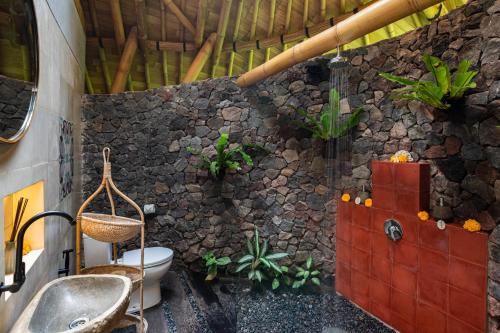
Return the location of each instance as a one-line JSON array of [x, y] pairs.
[[367, 20]]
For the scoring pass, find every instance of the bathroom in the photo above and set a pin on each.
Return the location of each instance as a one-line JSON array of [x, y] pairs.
[[161, 111]]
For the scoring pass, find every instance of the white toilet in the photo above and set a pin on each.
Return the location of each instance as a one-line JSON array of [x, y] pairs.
[[157, 261]]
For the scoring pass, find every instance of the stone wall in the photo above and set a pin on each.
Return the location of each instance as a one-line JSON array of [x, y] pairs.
[[15, 97], [285, 194]]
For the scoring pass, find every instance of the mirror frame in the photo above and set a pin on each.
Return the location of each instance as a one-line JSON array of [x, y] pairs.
[[35, 71]]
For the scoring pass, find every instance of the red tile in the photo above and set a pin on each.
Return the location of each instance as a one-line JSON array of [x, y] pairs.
[[415, 176], [344, 211], [401, 324], [361, 216], [457, 326], [467, 276], [380, 292], [470, 246], [469, 308], [360, 260], [382, 173], [379, 216], [403, 305], [381, 312], [343, 231], [381, 245], [343, 280], [360, 283], [381, 269], [384, 197], [430, 236], [433, 265], [361, 238], [433, 292], [406, 254], [429, 320], [404, 280], [343, 252], [409, 223], [411, 202]]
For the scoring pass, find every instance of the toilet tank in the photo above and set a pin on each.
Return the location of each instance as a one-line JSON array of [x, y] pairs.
[[96, 252]]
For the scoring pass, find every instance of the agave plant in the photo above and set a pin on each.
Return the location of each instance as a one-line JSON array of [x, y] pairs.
[[260, 263], [330, 126], [306, 273], [442, 90], [224, 159]]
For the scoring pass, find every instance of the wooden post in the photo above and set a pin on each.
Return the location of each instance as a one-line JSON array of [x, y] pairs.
[[164, 37], [201, 59], [201, 17], [180, 15], [270, 26], [253, 28], [125, 61], [221, 32], [365, 21], [236, 31]]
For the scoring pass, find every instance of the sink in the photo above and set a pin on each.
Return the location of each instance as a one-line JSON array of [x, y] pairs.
[[77, 304]]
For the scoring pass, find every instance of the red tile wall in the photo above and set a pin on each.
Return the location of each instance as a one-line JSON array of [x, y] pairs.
[[430, 281]]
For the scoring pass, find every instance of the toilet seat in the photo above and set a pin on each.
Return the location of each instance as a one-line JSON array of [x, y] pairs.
[[153, 256]]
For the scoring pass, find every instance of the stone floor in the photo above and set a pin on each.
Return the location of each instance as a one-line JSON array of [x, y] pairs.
[[192, 306]]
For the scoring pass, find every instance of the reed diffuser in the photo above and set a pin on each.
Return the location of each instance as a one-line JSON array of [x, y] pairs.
[[10, 244]]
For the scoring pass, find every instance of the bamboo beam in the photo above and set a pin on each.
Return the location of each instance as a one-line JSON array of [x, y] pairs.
[[180, 15], [163, 22], [221, 32], [142, 28], [270, 26], [201, 18], [100, 47], [79, 10], [116, 16], [305, 13], [323, 9], [88, 83], [157, 45], [125, 63], [365, 21], [236, 32], [288, 17], [253, 28], [201, 59], [182, 30]]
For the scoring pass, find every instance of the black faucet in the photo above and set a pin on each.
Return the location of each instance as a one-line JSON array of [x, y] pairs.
[[20, 272]]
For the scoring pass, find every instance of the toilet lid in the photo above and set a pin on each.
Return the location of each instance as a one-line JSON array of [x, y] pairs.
[[153, 256]]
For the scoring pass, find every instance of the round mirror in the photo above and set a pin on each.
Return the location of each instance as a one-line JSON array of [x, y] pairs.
[[18, 68]]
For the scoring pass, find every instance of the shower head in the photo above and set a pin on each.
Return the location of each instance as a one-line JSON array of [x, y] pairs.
[[338, 62]]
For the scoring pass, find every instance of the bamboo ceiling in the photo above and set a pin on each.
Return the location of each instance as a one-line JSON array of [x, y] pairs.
[[171, 34]]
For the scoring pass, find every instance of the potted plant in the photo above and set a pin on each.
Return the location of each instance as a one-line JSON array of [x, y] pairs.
[[332, 124]]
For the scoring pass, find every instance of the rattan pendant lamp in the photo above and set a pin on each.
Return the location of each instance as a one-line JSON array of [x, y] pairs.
[[112, 229]]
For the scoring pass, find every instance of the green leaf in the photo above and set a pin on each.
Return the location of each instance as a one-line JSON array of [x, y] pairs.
[[242, 267], [306, 274], [296, 284], [258, 275], [398, 79], [250, 247], [193, 151], [257, 245], [246, 258], [275, 284], [300, 274], [276, 268], [284, 269], [316, 281], [309, 262], [222, 143], [214, 168], [300, 269], [223, 261], [266, 262], [251, 275], [314, 273], [277, 256], [264, 248], [211, 276]]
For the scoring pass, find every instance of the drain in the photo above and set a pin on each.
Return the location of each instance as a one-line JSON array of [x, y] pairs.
[[78, 322]]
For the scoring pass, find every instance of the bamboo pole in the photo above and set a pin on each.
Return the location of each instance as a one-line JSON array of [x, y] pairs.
[[117, 18], [288, 17], [221, 32], [201, 18], [79, 10], [88, 83], [153, 45], [142, 28], [236, 32], [365, 21], [270, 26], [201, 59], [253, 28], [164, 37], [323, 9], [126, 60], [305, 13], [180, 15], [100, 47]]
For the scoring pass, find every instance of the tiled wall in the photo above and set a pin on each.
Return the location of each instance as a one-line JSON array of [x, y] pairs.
[[431, 280], [36, 157]]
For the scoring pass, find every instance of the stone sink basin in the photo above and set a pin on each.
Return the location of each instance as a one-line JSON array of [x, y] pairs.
[[77, 304]]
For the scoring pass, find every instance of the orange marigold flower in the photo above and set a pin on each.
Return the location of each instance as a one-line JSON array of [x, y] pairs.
[[472, 225], [345, 197], [423, 215], [368, 202]]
